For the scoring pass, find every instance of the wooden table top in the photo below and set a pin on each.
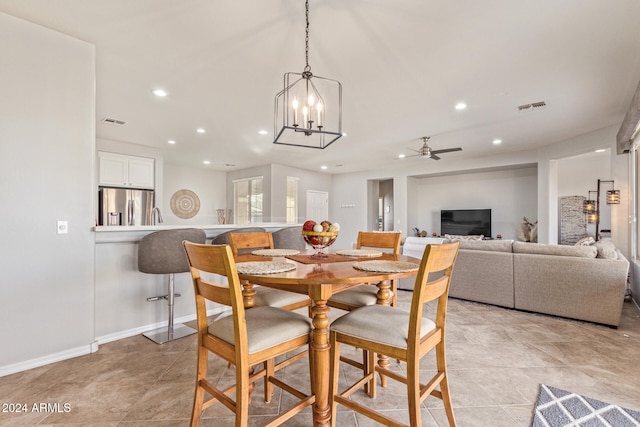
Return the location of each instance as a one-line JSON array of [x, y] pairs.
[[326, 273]]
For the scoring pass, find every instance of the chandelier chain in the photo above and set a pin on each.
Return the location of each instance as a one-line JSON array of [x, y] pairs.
[[307, 68]]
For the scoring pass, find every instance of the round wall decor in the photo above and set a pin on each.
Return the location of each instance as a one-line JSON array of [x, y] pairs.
[[185, 204]]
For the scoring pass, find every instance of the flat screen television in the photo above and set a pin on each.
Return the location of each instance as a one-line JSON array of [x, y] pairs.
[[466, 222]]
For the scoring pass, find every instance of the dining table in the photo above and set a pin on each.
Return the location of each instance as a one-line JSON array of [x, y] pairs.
[[320, 277]]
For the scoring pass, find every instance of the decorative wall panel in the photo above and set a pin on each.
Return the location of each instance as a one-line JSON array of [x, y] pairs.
[[573, 221]]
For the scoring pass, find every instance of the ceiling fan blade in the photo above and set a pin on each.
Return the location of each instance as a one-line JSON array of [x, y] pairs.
[[446, 150], [434, 157]]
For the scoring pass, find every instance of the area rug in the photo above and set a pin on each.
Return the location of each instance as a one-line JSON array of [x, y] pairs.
[[560, 408]]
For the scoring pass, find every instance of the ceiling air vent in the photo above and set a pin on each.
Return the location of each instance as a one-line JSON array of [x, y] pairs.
[[114, 122], [533, 106]]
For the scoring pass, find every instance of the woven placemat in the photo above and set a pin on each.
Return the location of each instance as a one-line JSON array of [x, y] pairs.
[[308, 259], [260, 267], [360, 253], [275, 252]]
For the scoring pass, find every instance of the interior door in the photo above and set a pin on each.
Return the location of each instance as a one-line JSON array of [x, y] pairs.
[[317, 205]]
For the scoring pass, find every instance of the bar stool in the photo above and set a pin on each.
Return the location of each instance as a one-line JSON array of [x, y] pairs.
[[162, 252]]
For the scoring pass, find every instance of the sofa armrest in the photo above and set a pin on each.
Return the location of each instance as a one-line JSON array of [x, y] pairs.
[[414, 246]]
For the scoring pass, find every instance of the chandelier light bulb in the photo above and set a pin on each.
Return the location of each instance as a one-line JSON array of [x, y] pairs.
[[294, 104], [319, 108], [312, 100]]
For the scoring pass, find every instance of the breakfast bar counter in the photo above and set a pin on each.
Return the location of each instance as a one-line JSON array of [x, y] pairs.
[[121, 291], [125, 233]]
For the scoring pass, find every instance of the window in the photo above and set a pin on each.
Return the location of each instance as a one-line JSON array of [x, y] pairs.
[[292, 200], [248, 200]]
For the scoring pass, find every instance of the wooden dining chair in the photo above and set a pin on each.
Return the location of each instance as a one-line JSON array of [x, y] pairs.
[[244, 339], [367, 294], [406, 336], [244, 243]]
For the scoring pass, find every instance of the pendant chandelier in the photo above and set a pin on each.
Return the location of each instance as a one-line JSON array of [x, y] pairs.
[[308, 111]]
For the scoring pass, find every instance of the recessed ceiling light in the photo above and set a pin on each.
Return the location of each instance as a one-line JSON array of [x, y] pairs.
[[206, 162], [160, 93], [497, 141], [171, 141], [200, 130], [461, 106], [601, 150], [263, 132], [401, 156], [324, 167]]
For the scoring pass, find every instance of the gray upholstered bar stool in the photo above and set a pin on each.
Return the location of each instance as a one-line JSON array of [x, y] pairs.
[[162, 252]]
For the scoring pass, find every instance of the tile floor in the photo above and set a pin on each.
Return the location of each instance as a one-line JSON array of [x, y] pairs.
[[497, 358]]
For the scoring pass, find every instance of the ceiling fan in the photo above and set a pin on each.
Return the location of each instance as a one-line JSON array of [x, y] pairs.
[[425, 151]]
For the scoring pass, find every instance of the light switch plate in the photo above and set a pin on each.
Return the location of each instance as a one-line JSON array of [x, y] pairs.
[[63, 227]]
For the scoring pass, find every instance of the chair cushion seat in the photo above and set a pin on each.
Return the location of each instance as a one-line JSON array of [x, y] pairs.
[[276, 298], [380, 324], [359, 296], [266, 327]]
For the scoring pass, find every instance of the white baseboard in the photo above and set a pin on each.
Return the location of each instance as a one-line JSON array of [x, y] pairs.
[[146, 328], [45, 360], [93, 347]]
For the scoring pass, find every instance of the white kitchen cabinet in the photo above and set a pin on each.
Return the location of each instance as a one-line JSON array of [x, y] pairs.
[[118, 170]]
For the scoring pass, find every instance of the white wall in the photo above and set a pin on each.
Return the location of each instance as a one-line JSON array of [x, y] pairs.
[[348, 204], [510, 194], [47, 152], [210, 186], [577, 175], [307, 180]]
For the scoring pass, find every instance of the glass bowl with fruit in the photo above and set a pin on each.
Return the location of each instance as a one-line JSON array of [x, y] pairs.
[[320, 236]]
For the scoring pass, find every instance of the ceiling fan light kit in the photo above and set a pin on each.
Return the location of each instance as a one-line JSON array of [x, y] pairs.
[[308, 111]]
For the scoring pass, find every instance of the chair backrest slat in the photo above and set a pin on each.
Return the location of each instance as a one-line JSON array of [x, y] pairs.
[[214, 292], [241, 242], [381, 240]]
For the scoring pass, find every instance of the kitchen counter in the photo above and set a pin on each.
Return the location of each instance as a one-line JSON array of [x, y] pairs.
[[124, 233]]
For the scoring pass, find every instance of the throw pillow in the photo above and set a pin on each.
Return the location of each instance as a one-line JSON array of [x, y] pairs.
[[454, 237], [606, 249], [585, 241]]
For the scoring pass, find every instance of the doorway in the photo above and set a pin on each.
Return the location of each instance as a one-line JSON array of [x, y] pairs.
[[380, 205]]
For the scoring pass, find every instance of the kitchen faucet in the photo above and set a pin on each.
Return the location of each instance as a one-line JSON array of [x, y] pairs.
[[153, 216]]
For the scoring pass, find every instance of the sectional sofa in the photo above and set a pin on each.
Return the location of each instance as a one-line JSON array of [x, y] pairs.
[[578, 282]]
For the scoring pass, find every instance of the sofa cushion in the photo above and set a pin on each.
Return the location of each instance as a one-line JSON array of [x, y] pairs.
[[560, 250], [487, 245], [606, 249], [455, 237]]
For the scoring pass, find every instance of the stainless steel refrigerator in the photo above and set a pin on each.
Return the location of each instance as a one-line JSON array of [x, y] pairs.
[[122, 206]]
